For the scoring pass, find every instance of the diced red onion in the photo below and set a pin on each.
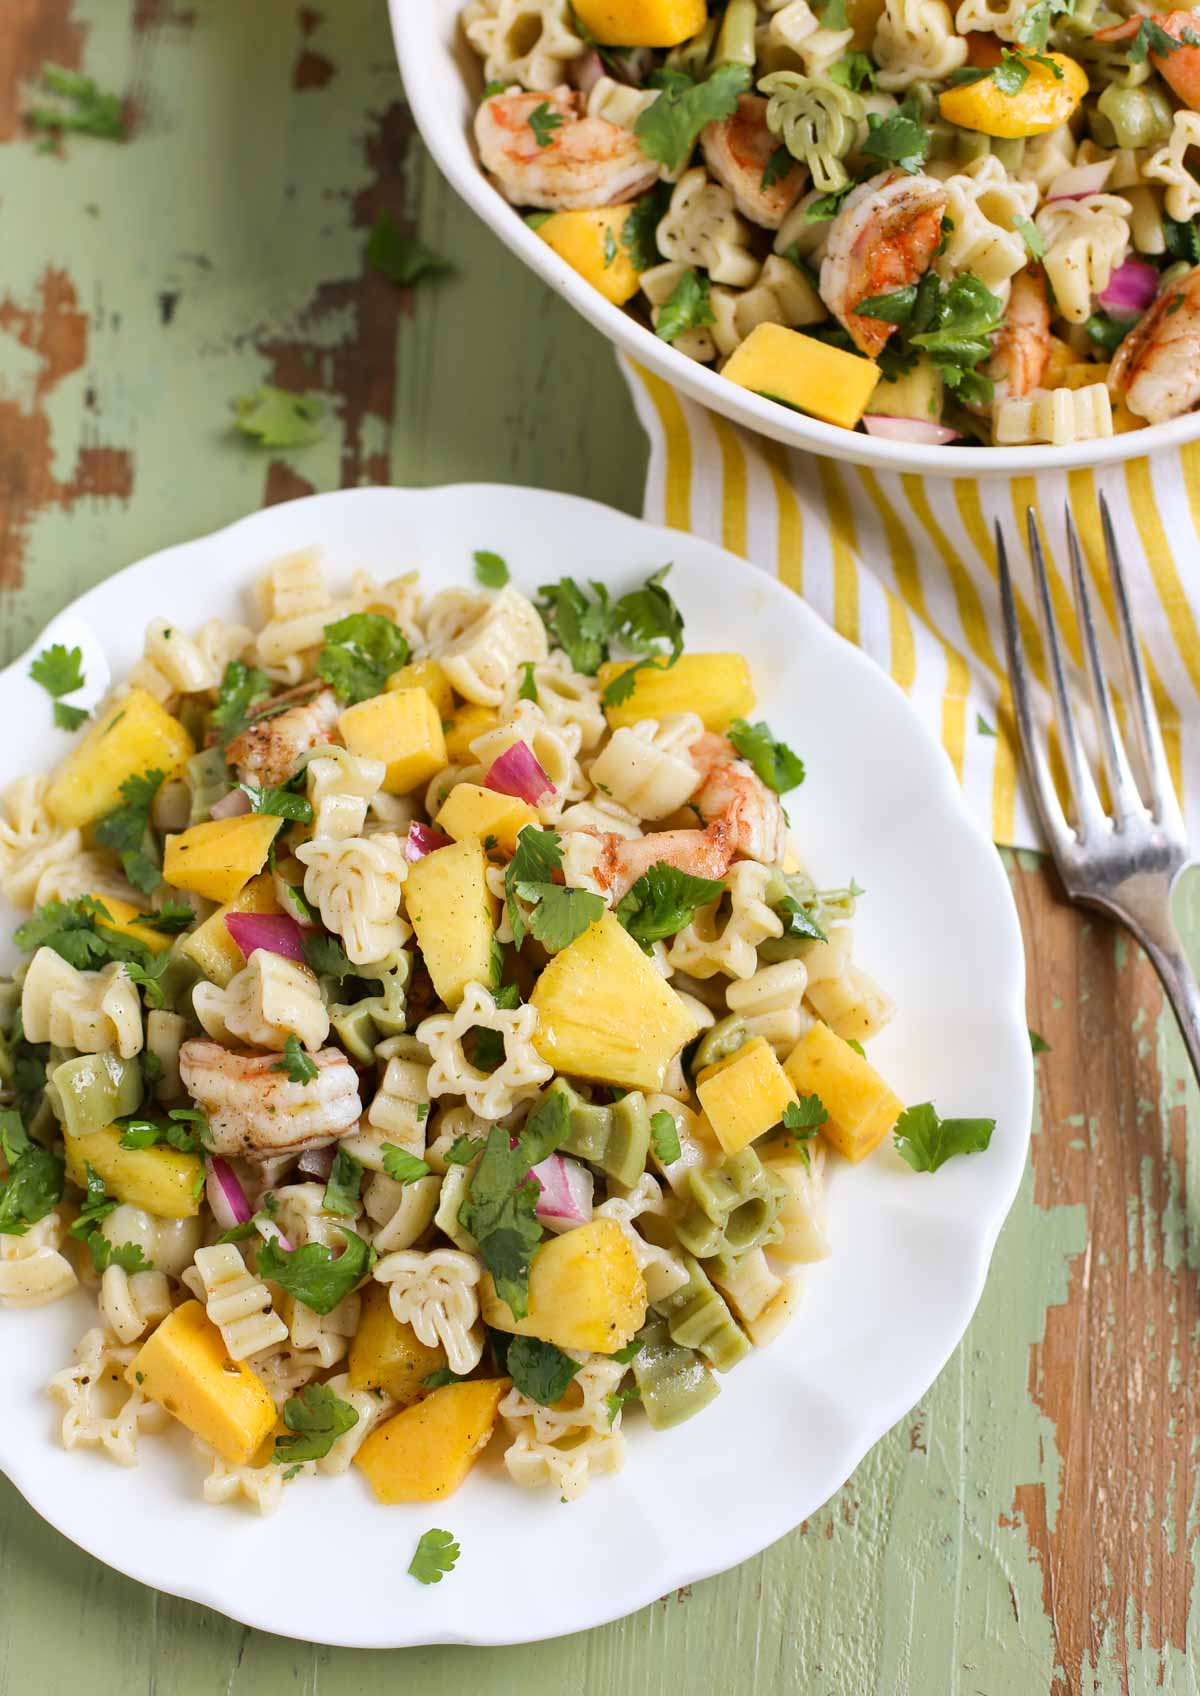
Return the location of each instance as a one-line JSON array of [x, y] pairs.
[[516, 772], [225, 1194], [922, 430], [318, 1162], [230, 806], [423, 839], [1130, 290], [1079, 181], [566, 1198], [274, 933], [587, 71]]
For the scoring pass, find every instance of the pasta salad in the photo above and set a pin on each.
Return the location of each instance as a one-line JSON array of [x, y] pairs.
[[935, 222], [424, 1029]]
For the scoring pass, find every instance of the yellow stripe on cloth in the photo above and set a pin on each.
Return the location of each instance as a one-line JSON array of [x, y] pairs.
[[905, 567]]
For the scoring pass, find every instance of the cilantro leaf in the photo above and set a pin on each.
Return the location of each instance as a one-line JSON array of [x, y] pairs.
[[130, 1257], [77, 930], [490, 569], [401, 258], [126, 830], [687, 307], [328, 958], [776, 168], [315, 1418], [1152, 38], [35, 1178], [279, 803], [312, 1274], [59, 670], [300, 1068], [528, 690], [1038, 1043], [803, 1119], [171, 918], [625, 1355], [436, 1555], [536, 859], [647, 616], [97, 1205], [854, 70], [899, 139], [1034, 27], [240, 685], [499, 1209], [615, 1401], [638, 234], [361, 652], [664, 1138], [344, 1185], [1034, 241], [463, 1150], [581, 628], [69, 718], [662, 901], [275, 418], [668, 129], [401, 1166], [178, 1135], [540, 1370], [927, 1141], [778, 767], [622, 686], [543, 121], [438, 1379], [86, 110], [1106, 332], [559, 915]]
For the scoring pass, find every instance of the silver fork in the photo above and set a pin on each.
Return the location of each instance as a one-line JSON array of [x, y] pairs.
[[1127, 864]]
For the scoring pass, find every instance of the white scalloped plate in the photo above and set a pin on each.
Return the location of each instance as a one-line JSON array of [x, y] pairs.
[[910, 1252]]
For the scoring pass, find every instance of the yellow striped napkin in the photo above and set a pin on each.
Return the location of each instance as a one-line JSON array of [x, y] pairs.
[[905, 568]]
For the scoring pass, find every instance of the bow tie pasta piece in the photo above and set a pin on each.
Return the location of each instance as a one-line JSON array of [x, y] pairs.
[[269, 1000], [782, 295], [698, 1318], [296, 605], [93, 1012], [1169, 166], [340, 787], [734, 1208], [1085, 240], [795, 29], [982, 209], [1056, 415], [715, 941], [400, 1213], [175, 664], [566, 1444], [261, 1486]]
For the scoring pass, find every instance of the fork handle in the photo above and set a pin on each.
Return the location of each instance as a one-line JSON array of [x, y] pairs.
[[1179, 981]]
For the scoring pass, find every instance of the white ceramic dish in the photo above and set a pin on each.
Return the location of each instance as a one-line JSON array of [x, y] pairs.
[[939, 928], [443, 81]]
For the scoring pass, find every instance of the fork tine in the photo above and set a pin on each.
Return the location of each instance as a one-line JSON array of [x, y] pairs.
[[1054, 822], [1089, 813], [1164, 802], [1127, 801]]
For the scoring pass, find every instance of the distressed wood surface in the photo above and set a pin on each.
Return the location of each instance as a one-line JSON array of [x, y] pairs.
[[1031, 1526]]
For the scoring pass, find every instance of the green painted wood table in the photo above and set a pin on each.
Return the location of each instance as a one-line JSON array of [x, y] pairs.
[[1031, 1526]]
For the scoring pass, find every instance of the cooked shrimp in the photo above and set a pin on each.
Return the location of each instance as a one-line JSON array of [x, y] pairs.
[[1180, 70], [623, 859], [883, 239], [256, 1111], [1156, 369], [579, 163], [738, 151], [1022, 347], [270, 749]]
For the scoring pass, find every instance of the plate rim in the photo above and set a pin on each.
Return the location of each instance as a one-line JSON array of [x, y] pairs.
[[414, 31], [867, 1432]]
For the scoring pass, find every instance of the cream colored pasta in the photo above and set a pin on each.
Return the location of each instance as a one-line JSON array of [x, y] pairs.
[[358, 884], [100, 1410], [915, 42], [90, 1011], [238, 1303], [481, 660], [1056, 415], [132, 1303], [32, 845], [728, 942], [646, 768], [32, 1270], [341, 786], [436, 1294], [270, 999], [1085, 242], [530, 42], [520, 1073], [701, 227]]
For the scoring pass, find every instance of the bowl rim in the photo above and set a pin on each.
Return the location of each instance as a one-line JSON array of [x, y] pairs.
[[419, 31]]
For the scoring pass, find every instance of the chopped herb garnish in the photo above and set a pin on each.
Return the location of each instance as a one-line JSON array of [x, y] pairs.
[[361, 652], [664, 1138], [436, 1555], [927, 1141], [490, 569], [298, 1065], [315, 1418], [276, 418], [401, 258], [662, 901]]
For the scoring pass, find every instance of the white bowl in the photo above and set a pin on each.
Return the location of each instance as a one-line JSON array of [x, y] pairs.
[[442, 79], [910, 1252]]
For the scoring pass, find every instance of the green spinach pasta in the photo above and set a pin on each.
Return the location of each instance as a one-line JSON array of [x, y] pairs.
[[423, 1030], [937, 223]]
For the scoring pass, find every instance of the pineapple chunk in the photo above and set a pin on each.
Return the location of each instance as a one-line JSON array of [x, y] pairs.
[[590, 242], [805, 373], [425, 1452], [218, 858], [744, 1094], [386, 1355], [861, 1107], [162, 1180], [123, 918], [447, 900], [469, 721], [605, 1011], [427, 675], [641, 23], [402, 728], [185, 1367], [133, 735], [210, 945], [717, 686], [585, 1292], [473, 814]]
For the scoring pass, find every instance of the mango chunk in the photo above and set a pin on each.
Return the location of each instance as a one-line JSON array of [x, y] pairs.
[[218, 858], [469, 721], [402, 728], [447, 900], [386, 1355], [474, 814], [1046, 99], [425, 1452], [162, 1180], [590, 242], [606, 1012], [428, 675], [134, 734], [717, 686], [585, 1292], [184, 1366], [124, 918], [210, 945], [861, 1107], [745, 1094], [827, 382], [641, 23]]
